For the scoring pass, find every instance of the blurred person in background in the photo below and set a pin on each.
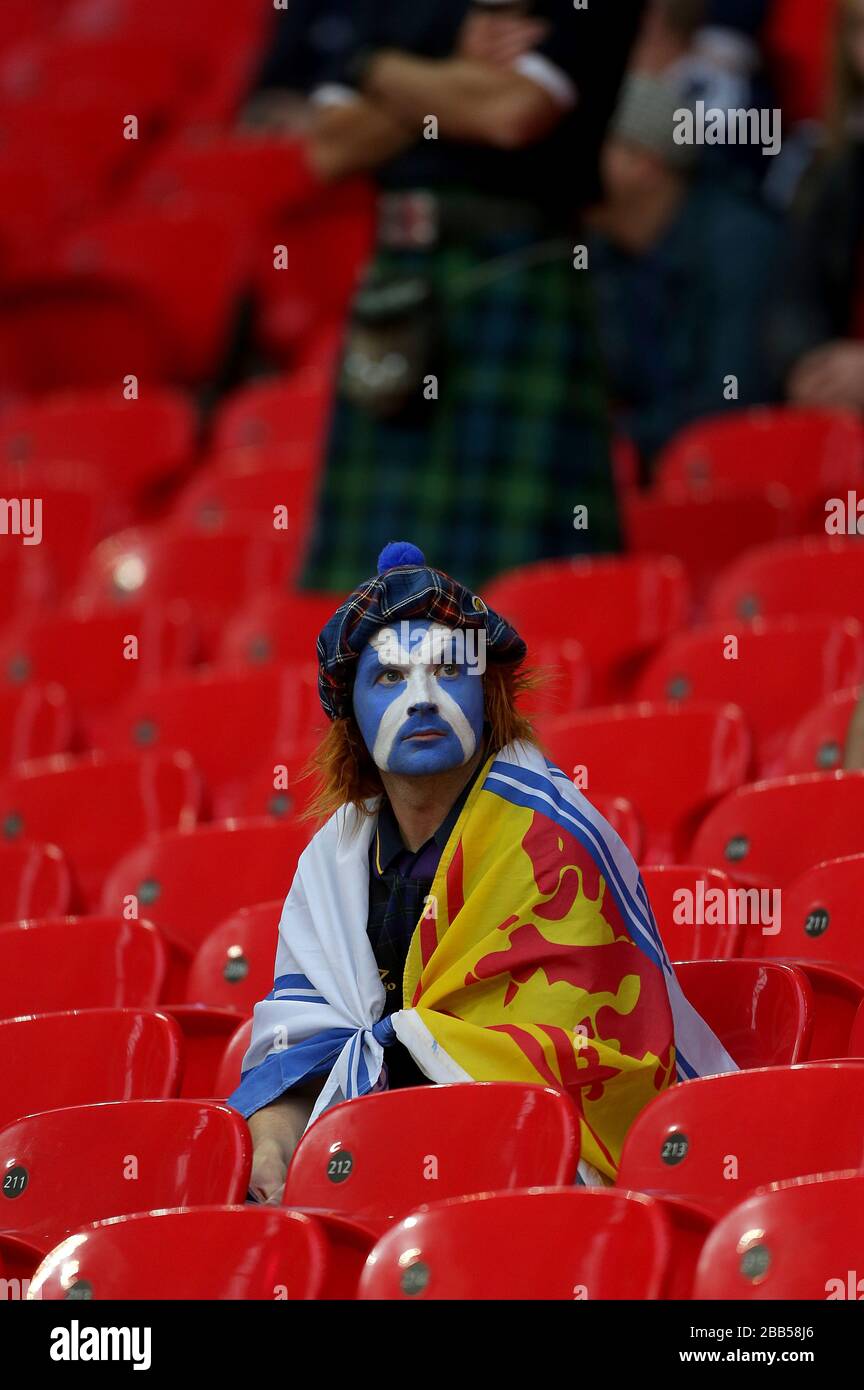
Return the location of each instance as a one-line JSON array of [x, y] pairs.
[[471, 410], [309, 39], [817, 327], [681, 264], [710, 51]]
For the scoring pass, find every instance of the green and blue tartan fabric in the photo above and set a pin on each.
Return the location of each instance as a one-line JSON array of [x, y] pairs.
[[488, 475]]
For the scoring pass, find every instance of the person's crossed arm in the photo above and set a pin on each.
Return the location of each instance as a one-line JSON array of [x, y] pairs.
[[477, 95]]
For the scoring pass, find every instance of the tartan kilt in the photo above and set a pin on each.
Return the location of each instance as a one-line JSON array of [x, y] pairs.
[[488, 475]]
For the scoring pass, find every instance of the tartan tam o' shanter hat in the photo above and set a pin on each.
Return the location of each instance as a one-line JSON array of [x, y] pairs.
[[405, 587]]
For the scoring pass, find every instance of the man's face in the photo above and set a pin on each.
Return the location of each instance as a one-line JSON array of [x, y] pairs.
[[419, 706]]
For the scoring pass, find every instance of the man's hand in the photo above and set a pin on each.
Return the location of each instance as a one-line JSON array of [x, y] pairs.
[[499, 39], [832, 375], [269, 1170]]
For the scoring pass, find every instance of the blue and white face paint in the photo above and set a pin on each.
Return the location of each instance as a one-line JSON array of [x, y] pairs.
[[419, 708]]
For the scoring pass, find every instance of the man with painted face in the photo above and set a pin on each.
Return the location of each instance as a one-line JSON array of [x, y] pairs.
[[464, 913]]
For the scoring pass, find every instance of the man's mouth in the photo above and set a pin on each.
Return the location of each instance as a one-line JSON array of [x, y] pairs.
[[423, 734]]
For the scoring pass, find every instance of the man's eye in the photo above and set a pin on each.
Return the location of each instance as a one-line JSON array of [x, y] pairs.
[[449, 668], [389, 677]]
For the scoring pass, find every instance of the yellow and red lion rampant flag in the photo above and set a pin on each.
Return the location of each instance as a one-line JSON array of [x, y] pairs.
[[537, 959]]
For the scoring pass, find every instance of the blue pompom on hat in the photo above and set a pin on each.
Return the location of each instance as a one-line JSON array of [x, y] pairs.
[[404, 587], [398, 553]]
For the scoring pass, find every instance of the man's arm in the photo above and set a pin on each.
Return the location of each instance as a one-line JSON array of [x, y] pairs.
[[354, 136], [276, 1131], [472, 101], [854, 760]]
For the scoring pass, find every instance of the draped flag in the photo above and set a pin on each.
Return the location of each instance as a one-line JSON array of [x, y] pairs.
[[537, 959]]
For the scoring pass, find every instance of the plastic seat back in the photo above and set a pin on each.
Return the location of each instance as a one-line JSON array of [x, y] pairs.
[[379, 1156], [761, 1011], [80, 963], [563, 1245], [719, 1138], [206, 1253], [233, 966], [48, 1061], [771, 832], [617, 752], [93, 1162], [798, 1240]]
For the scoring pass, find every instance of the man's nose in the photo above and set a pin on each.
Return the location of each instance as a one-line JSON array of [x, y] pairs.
[[423, 705]]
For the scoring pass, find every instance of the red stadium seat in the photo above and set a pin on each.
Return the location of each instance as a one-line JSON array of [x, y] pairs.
[[231, 1066], [224, 720], [35, 722], [376, 1158], [769, 833], [816, 454], [624, 819], [705, 530], [84, 1057], [18, 1262], [776, 671], [719, 1138], [837, 998], [25, 580], [93, 1162], [856, 1040], [822, 916], [206, 1034], [277, 628], [327, 246], [80, 963], [140, 77], [233, 967], [215, 574], [271, 174], [618, 751], [153, 436], [817, 743], [39, 206], [75, 514], [34, 881], [619, 610], [792, 579], [799, 41], [97, 808], [564, 680], [693, 921], [241, 493], [17, 22], [541, 1244], [91, 657], [761, 1011], [795, 1240], [203, 1253], [95, 300], [283, 410], [76, 143], [276, 788], [218, 44], [186, 882]]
